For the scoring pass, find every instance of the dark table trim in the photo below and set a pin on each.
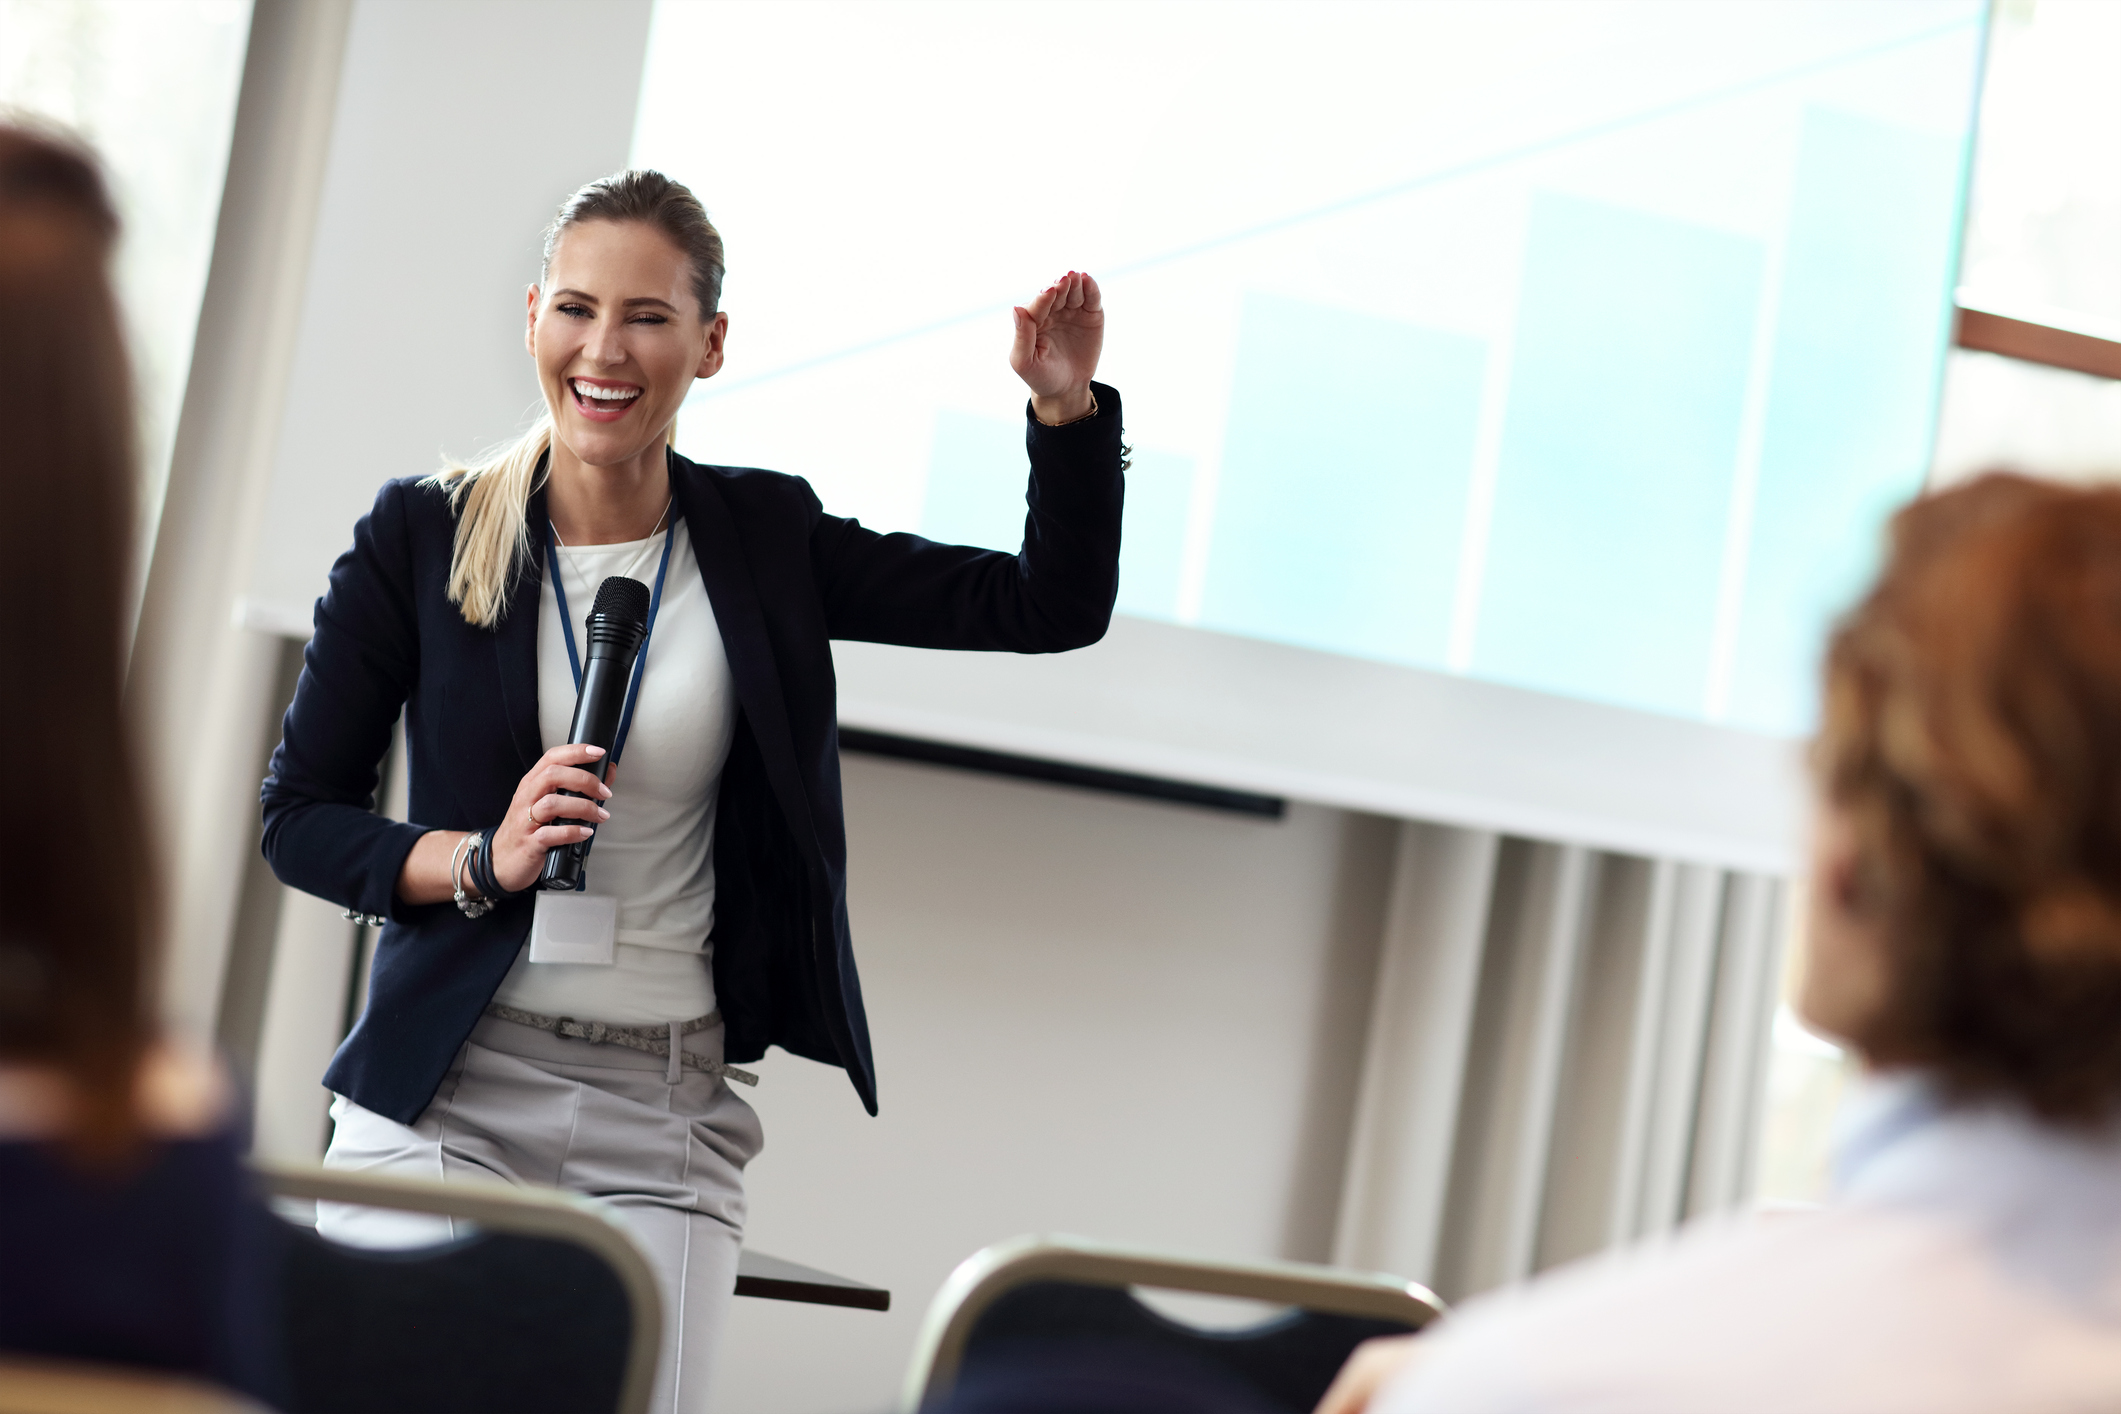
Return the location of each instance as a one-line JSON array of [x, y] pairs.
[[772, 1279]]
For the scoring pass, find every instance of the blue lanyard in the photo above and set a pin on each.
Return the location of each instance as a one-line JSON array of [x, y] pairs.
[[640, 663]]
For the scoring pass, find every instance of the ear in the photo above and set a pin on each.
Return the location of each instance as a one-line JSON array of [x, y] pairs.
[[530, 320], [1836, 869], [1847, 981], [711, 356]]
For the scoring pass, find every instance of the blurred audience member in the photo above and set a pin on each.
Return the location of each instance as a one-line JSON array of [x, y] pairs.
[[125, 1231], [1964, 939]]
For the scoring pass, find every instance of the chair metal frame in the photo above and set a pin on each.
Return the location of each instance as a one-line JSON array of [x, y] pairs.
[[547, 1213], [992, 1271]]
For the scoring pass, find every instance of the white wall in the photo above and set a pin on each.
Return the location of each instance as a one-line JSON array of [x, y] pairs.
[[1093, 1015], [459, 129]]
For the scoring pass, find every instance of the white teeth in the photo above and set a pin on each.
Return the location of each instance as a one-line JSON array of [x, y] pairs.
[[605, 395]]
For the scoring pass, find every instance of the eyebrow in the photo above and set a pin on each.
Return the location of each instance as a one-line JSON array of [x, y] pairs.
[[636, 300]]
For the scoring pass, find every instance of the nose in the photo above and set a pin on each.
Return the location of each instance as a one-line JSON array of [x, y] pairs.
[[605, 348]]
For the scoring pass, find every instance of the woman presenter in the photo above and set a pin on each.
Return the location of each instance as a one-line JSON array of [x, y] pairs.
[[587, 1039]]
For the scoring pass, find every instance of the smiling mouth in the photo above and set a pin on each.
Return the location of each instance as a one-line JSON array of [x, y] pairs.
[[603, 402]]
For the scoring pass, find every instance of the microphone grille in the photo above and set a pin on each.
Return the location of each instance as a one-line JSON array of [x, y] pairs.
[[622, 600]]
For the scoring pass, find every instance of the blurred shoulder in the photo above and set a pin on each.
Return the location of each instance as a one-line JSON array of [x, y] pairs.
[[1840, 1307], [1682, 1314], [181, 1093]]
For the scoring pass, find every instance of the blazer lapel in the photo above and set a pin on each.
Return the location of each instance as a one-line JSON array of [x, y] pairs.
[[733, 592], [515, 645]]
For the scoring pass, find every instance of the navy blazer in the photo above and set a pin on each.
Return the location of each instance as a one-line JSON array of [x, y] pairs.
[[784, 579]]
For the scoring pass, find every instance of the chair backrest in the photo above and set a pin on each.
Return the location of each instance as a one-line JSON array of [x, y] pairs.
[[35, 1386], [549, 1306], [1029, 1290]]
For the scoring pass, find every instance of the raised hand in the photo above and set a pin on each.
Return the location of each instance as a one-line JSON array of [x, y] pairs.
[[1058, 338]]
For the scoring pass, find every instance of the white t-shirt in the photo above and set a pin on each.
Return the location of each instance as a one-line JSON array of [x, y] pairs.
[[1970, 1261], [655, 853]]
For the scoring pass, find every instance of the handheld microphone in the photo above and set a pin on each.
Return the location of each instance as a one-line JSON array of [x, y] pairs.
[[617, 624]]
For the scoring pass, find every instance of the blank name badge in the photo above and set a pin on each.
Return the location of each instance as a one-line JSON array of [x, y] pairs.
[[577, 928]]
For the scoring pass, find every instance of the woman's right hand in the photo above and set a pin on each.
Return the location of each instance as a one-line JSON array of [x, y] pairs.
[[540, 818]]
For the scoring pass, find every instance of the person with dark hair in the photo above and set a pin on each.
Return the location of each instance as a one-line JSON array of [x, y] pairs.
[[127, 1232], [586, 1039], [1964, 938]]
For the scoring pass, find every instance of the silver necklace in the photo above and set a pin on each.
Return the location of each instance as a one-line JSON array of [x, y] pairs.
[[639, 555]]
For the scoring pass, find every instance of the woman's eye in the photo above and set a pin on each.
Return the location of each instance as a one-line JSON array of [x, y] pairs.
[[650, 319], [573, 310]]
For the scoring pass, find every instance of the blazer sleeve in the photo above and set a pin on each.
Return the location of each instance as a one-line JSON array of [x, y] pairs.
[[321, 833], [1056, 593]]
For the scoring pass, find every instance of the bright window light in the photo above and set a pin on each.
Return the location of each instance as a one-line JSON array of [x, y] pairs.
[[2043, 242], [152, 85]]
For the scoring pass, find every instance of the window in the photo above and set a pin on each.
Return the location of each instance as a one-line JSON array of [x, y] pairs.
[[2043, 242], [153, 87]]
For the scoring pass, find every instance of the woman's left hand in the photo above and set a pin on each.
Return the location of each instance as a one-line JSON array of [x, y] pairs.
[[1058, 338]]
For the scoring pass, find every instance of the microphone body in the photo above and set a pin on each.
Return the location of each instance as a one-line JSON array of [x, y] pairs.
[[616, 628]]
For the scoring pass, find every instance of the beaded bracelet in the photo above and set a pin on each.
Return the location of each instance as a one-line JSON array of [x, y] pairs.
[[467, 905]]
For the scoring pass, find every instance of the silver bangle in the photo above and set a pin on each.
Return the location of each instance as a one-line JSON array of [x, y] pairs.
[[467, 905]]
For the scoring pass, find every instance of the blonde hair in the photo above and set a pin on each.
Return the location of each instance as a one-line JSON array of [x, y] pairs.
[[491, 498]]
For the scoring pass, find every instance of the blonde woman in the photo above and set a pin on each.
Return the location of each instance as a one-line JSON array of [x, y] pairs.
[[720, 847]]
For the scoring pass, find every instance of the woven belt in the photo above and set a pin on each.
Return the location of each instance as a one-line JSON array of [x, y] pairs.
[[649, 1040]]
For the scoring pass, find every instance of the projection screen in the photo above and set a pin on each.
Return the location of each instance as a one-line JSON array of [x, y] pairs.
[[1515, 392]]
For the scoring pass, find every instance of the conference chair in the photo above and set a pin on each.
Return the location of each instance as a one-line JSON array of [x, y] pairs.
[[29, 1386], [546, 1306], [1033, 1293]]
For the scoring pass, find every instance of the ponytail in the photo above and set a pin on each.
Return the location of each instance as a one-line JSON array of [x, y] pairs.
[[492, 504]]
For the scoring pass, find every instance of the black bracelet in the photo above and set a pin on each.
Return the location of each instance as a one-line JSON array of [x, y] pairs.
[[480, 866]]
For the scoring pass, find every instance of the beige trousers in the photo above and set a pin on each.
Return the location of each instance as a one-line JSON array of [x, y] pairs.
[[525, 1106]]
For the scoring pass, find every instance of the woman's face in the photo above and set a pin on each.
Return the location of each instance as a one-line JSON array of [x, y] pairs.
[[618, 338], [1848, 977]]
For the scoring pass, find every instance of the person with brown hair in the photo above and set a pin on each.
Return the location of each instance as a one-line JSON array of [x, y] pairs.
[[586, 1039], [127, 1233], [1964, 939]]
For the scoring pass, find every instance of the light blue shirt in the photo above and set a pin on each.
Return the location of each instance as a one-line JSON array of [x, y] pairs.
[[1970, 1260]]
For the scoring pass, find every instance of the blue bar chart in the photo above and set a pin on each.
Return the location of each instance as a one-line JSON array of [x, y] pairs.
[[1595, 372]]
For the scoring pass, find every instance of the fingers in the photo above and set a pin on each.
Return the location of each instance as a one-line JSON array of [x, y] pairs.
[[1042, 305], [544, 779], [1074, 290], [1026, 343], [1064, 293], [555, 820], [554, 809], [541, 817], [579, 781], [553, 836]]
